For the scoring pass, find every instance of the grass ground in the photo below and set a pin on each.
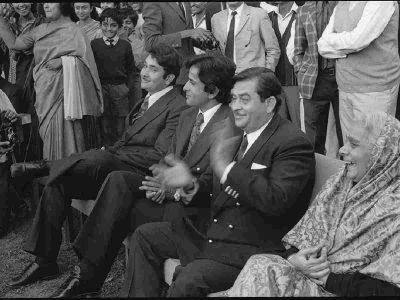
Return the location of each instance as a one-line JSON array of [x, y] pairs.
[[13, 260]]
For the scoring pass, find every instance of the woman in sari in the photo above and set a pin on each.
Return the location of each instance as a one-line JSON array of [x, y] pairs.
[[62, 56], [84, 11], [348, 241]]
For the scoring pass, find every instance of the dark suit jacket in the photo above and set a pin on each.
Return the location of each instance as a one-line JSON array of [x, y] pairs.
[[146, 141], [198, 160], [163, 22], [270, 202]]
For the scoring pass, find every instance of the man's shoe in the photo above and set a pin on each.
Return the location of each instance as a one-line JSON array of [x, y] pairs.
[[30, 169], [35, 272], [75, 286]]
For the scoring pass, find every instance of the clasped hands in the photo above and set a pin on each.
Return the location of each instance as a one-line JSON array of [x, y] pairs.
[[13, 117], [313, 263]]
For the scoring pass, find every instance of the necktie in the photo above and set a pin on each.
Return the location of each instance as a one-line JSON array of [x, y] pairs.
[[195, 131], [230, 41], [110, 42], [242, 148], [182, 9], [142, 110]]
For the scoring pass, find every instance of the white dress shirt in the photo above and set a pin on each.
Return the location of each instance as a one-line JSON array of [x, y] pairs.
[[154, 97], [114, 40], [237, 21], [283, 21], [208, 114], [375, 17], [251, 138]]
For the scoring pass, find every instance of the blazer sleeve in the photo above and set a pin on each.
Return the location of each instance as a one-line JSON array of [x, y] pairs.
[[153, 28], [300, 42], [274, 191], [272, 49], [359, 285]]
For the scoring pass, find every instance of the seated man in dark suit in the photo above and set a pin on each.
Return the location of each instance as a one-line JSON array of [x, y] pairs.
[[127, 199], [262, 189], [152, 124]]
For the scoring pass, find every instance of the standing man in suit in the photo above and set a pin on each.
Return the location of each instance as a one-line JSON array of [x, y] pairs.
[[152, 124], [171, 23], [315, 74], [262, 186], [128, 199], [246, 36]]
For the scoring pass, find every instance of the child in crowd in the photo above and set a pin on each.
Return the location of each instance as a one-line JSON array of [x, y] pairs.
[[116, 67]]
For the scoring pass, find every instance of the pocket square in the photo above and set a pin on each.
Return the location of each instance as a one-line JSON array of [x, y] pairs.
[[256, 166]]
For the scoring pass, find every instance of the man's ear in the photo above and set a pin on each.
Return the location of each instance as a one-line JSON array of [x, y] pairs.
[[169, 79], [213, 95], [270, 103]]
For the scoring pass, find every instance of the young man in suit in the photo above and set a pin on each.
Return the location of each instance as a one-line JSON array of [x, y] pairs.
[[171, 23], [246, 36], [151, 126], [141, 199], [261, 189]]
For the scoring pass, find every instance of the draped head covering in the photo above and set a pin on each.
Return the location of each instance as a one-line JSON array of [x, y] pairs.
[[360, 225]]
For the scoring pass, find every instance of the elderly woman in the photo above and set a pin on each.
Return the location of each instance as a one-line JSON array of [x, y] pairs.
[[348, 242], [62, 56]]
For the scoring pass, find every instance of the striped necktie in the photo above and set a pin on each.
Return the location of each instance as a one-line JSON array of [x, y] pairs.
[[142, 110], [195, 131]]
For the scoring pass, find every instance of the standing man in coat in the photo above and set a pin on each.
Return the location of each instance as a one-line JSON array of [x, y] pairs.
[[246, 36], [263, 180]]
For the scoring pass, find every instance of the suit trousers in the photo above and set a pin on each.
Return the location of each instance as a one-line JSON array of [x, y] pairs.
[[120, 208], [82, 181], [150, 246], [316, 111]]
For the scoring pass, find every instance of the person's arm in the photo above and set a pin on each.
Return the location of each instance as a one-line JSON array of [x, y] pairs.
[[274, 190], [272, 49], [22, 42], [358, 285], [300, 42], [290, 44], [375, 17]]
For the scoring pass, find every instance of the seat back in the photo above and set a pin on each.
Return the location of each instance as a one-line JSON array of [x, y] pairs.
[[325, 167]]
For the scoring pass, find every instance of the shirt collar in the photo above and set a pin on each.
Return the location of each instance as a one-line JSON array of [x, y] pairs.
[[238, 10], [154, 97], [253, 136], [293, 9], [114, 39], [209, 113]]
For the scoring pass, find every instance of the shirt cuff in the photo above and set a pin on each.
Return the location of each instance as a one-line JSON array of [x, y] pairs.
[[226, 172]]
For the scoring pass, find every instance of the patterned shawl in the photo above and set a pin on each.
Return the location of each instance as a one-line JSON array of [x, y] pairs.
[[92, 29], [360, 225]]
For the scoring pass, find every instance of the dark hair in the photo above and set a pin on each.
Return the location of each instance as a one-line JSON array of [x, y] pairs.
[[168, 58], [67, 10], [215, 71], [267, 83], [129, 13], [111, 13], [93, 14]]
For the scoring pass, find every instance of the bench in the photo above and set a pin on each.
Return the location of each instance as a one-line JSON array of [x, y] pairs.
[[324, 168]]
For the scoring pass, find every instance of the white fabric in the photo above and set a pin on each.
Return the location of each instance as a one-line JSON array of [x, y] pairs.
[[73, 103], [267, 7], [351, 105], [154, 97], [5, 103], [332, 142], [251, 138], [208, 114], [375, 17], [290, 44], [114, 39], [237, 21]]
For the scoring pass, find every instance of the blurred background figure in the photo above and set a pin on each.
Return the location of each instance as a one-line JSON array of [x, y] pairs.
[[199, 19], [138, 8], [88, 19]]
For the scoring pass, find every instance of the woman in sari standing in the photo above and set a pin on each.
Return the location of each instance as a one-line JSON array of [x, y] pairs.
[[85, 12], [348, 242], [57, 45]]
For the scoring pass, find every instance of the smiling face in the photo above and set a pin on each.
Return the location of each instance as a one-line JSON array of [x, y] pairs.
[[23, 9], [52, 11], [194, 88], [128, 26], [83, 10], [152, 75], [109, 27], [356, 153], [249, 111]]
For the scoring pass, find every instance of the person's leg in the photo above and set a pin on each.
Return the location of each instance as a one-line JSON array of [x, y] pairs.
[[336, 110], [150, 246], [202, 277], [4, 197]]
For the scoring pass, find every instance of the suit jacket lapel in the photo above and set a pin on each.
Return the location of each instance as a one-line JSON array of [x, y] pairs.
[[189, 20], [155, 110], [183, 137], [203, 143], [223, 23], [243, 18], [177, 10]]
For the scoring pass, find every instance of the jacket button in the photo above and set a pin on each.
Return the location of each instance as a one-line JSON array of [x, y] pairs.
[[215, 220], [230, 226], [237, 204], [210, 195], [198, 169], [210, 241]]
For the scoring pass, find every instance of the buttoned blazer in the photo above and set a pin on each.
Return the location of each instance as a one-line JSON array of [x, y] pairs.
[[271, 200], [254, 38]]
